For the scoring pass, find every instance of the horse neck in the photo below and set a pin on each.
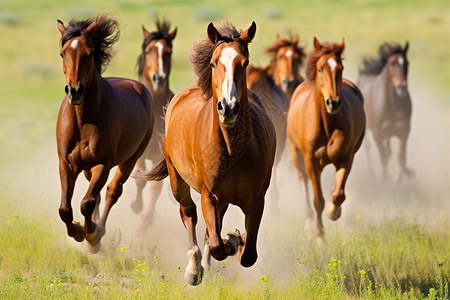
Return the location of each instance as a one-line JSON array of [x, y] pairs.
[[325, 120], [235, 135], [88, 111]]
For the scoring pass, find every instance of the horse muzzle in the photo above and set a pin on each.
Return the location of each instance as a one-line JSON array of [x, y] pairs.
[[228, 111], [332, 106], [401, 89], [287, 85], [75, 93], [159, 82]]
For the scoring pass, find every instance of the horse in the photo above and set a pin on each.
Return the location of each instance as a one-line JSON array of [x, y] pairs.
[[219, 141], [383, 82], [154, 64], [102, 123], [287, 59], [326, 124]]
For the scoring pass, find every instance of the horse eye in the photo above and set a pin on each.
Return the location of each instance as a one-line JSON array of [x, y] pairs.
[[212, 65], [60, 54], [319, 70], [245, 65], [147, 52]]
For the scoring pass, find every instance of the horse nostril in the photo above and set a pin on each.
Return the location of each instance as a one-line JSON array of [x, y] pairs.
[[81, 90], [66, 89], [219, 106], [155, 77], [236, 108]]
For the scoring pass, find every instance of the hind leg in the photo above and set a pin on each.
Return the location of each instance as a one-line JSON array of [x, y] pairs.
[[155, 191], [96, 215], [188, 213]]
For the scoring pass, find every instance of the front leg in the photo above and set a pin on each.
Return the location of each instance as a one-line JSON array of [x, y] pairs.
[[68, 177], [99, 175], [314, 171], [338, 197]]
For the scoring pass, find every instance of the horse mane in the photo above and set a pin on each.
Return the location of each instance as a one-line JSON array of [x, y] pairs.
[[280, 43], [202, 52], [106, 34], [161, 33], [313, 57], [372, 66]]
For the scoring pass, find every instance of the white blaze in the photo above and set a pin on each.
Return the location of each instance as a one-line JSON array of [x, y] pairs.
[[400, 60], [288, 53], [74, 44], [332, 63], [160, 46], [228, 86]]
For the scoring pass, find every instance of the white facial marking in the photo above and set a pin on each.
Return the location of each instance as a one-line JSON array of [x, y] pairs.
[[400, 60], [228, 86], [160, 46], [289, 53], [332, 63], [74, 44]]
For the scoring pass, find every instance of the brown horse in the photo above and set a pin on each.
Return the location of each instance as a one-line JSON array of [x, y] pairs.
[[326, 124], [102, 123], [383, 82], [220, 141], [284, 67], [154, 65]]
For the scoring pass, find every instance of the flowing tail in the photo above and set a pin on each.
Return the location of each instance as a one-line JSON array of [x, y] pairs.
[[157, 173]]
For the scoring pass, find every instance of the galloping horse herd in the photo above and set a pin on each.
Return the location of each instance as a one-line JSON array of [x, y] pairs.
[[224, 135]]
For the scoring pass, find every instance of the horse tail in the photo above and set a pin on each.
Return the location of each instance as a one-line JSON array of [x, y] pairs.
[[157, 173]]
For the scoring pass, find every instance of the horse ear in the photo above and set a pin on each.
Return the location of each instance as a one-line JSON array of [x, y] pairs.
[[61, 27], [248, 35], [342, 45], [317, 45], [213, 34], [406, 47], [90, 30], [145, 31], [173, 34], [278, 37], [296, 39]]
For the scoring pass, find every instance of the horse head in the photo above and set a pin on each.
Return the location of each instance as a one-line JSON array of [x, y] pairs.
[[156, 57], [329, 73], [397, 69], [78, 62], [229, 62]]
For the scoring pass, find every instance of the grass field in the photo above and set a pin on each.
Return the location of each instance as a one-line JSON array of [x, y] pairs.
[[392, 242]]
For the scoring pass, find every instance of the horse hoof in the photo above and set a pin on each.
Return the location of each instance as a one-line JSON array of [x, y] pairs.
[[93, 248], [334, 212], [79, 232], [320, 241], [94, 237], [194, 278]]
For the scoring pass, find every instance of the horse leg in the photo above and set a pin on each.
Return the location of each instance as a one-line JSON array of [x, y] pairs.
[[155, 191], [92, 231], [96, 215], [137, 204], [297, 158], [68, 178], [188, 213], [338, 196], [206, 260], [383, 151], [402, 158], [247, 250], [314, 171]]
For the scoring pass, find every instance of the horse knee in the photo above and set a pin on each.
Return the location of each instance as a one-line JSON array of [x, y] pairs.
[[65, 213], [218, 251], [88, 205], [338, 197]]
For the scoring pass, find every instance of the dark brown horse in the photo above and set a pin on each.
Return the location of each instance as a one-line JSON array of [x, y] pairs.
[[287, 58], [326, 124], [220, 141], [102, 123], [383, 82], [154, 65]]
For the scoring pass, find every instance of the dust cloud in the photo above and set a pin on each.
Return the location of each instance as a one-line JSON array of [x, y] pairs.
[[369, 199]]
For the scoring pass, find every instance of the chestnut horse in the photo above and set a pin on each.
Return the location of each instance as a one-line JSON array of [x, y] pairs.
[[383, 82], [326, 124], [284, 67], [102, 123], [154, 65], [220, 141]]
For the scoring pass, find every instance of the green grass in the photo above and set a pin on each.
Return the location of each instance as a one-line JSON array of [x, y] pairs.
[[390, 258]]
